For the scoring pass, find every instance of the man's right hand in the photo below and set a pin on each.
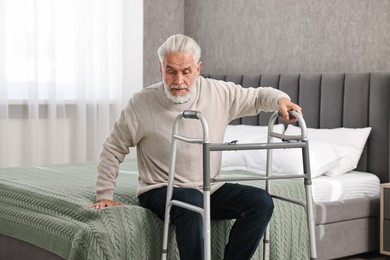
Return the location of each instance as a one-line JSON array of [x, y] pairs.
[[104, 203]]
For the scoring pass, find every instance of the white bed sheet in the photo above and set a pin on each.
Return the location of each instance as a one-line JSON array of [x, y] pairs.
[[351, 185]]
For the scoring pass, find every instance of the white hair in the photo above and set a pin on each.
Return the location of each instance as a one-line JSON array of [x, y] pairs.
[[179, 43]]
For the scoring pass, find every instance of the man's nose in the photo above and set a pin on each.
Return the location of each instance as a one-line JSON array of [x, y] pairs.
[[179, 79]]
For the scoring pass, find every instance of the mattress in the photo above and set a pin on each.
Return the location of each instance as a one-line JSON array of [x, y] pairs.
[[352, 185]]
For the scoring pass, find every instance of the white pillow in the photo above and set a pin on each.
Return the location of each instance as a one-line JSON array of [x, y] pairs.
[[323, 157], [249, 160], [348, 144]]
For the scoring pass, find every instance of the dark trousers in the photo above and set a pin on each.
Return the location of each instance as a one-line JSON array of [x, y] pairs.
[[250, 206]]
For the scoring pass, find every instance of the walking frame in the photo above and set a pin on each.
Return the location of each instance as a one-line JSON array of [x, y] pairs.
[[289, 141]]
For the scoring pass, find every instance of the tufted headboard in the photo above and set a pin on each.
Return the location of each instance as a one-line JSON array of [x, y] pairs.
[[331, 100]]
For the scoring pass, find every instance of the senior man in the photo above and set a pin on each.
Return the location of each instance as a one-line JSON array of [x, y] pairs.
[[147, 123]]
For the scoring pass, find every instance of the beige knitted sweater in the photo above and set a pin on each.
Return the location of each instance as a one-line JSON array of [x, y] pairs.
[[147, 123]]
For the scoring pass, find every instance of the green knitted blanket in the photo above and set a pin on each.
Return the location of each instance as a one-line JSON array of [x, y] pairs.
[[48, 207]]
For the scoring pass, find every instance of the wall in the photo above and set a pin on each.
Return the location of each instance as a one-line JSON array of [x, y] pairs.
[[288, 36], [162, 18], [254, 36]]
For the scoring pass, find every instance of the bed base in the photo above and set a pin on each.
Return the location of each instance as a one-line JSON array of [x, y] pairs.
[[299, 141], [15, 249], [349, 227]]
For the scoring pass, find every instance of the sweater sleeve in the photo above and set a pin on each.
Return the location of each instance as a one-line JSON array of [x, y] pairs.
[[251, 101], [115, 148]]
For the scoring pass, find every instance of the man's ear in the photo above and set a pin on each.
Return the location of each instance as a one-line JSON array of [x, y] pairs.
[[160, 68], [199, 67]]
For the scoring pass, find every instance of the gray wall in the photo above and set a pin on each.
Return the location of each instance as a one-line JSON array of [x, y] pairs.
[[162, 18], [255, 36]]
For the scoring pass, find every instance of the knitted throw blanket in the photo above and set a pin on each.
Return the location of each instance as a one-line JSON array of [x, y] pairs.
[[48, 207]]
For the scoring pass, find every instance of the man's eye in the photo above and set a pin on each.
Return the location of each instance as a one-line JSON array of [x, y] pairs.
[[171, 72]]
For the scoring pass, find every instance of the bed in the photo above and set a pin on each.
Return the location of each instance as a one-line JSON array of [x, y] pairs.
[[47, 206], [44, 214]]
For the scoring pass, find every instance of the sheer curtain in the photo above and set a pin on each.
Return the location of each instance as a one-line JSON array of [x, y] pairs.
[[63, 66]]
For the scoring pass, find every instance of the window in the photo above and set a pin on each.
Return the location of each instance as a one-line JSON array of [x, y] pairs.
[[62, 48]]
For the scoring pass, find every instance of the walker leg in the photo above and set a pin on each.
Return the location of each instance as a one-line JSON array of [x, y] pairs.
[[309, 203], [266, 244], [266, 238], [310, 222], [164, 252], [168, 203], [206, 226]]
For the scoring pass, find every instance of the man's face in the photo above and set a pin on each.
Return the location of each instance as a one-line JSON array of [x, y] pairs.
[[179, 73]]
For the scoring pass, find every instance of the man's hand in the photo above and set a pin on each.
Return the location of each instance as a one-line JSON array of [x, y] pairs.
[[284, 106], [100, 204]]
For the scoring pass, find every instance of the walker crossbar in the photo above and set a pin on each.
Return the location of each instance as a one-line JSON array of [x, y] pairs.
[[187, 206], [255, 146], [299, 141], [298, 202], [257, 178]]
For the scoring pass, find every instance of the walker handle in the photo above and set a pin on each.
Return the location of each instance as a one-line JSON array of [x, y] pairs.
[[192, 114], [292, 113]]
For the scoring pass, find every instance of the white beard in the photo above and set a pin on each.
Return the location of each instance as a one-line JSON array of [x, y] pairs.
[[178, 99]]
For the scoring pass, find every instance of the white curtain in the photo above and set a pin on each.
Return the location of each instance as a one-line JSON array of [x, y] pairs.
[[62, 77]]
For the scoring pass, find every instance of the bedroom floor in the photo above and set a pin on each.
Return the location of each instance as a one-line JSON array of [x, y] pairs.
[[369, 256]]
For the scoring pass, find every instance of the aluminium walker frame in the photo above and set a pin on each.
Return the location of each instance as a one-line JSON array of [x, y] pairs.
[[298, 141]]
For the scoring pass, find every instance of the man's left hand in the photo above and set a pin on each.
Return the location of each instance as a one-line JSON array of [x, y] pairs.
[[284, 105]]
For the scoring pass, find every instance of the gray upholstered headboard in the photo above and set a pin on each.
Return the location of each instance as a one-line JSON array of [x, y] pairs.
[[331, 100]]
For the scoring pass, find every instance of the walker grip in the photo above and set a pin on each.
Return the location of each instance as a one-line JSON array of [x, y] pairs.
[[291, 113], [192, 114]]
